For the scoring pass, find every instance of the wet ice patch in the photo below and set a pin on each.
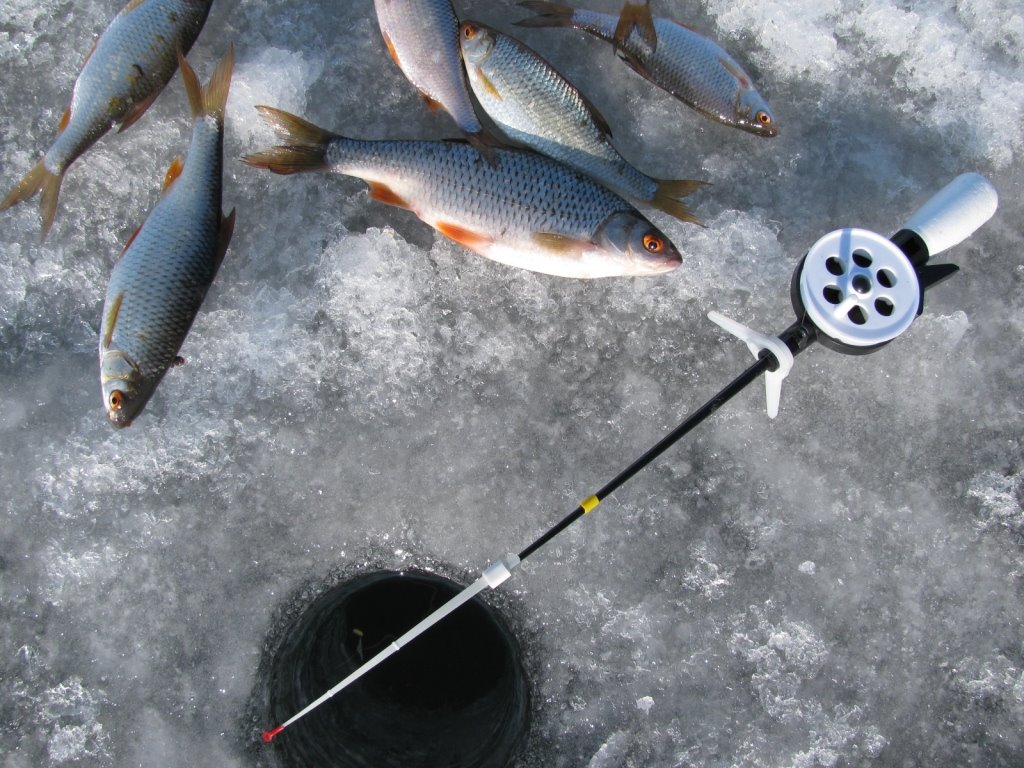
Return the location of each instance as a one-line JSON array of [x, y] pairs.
[[1001, 500]]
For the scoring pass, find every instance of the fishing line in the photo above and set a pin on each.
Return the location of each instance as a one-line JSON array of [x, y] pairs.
[[854, 291]]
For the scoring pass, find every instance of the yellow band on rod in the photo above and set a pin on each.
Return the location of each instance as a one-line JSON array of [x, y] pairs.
[[589, 504]]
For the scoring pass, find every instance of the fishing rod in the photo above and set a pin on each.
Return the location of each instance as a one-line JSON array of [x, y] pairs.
[[854, 292]]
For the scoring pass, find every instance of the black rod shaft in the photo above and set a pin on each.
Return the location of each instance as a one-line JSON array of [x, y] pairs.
[[737, 385]]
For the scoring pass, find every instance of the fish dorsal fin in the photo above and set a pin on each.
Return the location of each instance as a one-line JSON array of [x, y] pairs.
[[111, 319], [173, 172], [137, 111]]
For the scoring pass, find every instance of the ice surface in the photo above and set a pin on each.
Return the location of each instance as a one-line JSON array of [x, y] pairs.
[[839, 587]]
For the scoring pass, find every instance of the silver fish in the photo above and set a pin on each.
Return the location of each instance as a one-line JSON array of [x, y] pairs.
[[161, 279], [128, 67], [694, 69], [535, 106], [521, 209], [422, 37]]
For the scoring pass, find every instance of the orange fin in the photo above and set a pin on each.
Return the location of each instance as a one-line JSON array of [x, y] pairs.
[[472, 240], [131, 240], [137, 111], [432, 104], [385, 194], [392, 51], [37, 180], [64, 121], [636, 15], [173, 172]]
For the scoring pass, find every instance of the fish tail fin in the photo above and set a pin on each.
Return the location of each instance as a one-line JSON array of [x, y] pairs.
[[668, 198], [36, 180], [548, 14], [305, 147], [638, 16], [211, 99]]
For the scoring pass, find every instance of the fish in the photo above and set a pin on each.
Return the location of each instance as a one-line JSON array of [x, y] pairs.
[[691, 67], [535, 106], [130, 64], [520, 208], [422, 37], [158, 284], [635, 15]]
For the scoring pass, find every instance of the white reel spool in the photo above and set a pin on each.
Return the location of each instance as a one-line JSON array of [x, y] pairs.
[[859, 288]]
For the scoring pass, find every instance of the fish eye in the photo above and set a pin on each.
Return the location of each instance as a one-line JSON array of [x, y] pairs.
[[469, 31], [653, 243], [763, 118], [116, 400]]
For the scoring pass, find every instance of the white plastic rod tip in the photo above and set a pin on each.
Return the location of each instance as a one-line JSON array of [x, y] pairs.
[[500, 571], [955, 212], [756, 343]]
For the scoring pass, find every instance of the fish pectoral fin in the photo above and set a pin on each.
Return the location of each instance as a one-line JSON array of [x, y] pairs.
[[475, 241], [382, 193], [489, 86], [173, 172], [227, 229], [110, 319], [556, 243], [137, 111], [731, 68]]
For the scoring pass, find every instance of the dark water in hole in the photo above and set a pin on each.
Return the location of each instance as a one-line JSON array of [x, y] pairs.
[[456, 697]]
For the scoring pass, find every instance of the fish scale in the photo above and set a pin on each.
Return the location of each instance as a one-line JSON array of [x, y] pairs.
[[691, 67], [159, 283], [130, 64], [516, 207], [535, 106]]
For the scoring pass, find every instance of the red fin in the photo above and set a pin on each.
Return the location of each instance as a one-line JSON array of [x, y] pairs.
[[391, 50], [432, 104], [64, 120], [137, 111], [173, 172], [385, 194], [131, 240], [472, 240]]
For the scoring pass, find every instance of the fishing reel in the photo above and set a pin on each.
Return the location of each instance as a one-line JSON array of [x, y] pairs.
[[855, 291]]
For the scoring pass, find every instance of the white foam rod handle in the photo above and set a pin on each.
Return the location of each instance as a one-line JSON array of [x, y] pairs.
[[954, 212]]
